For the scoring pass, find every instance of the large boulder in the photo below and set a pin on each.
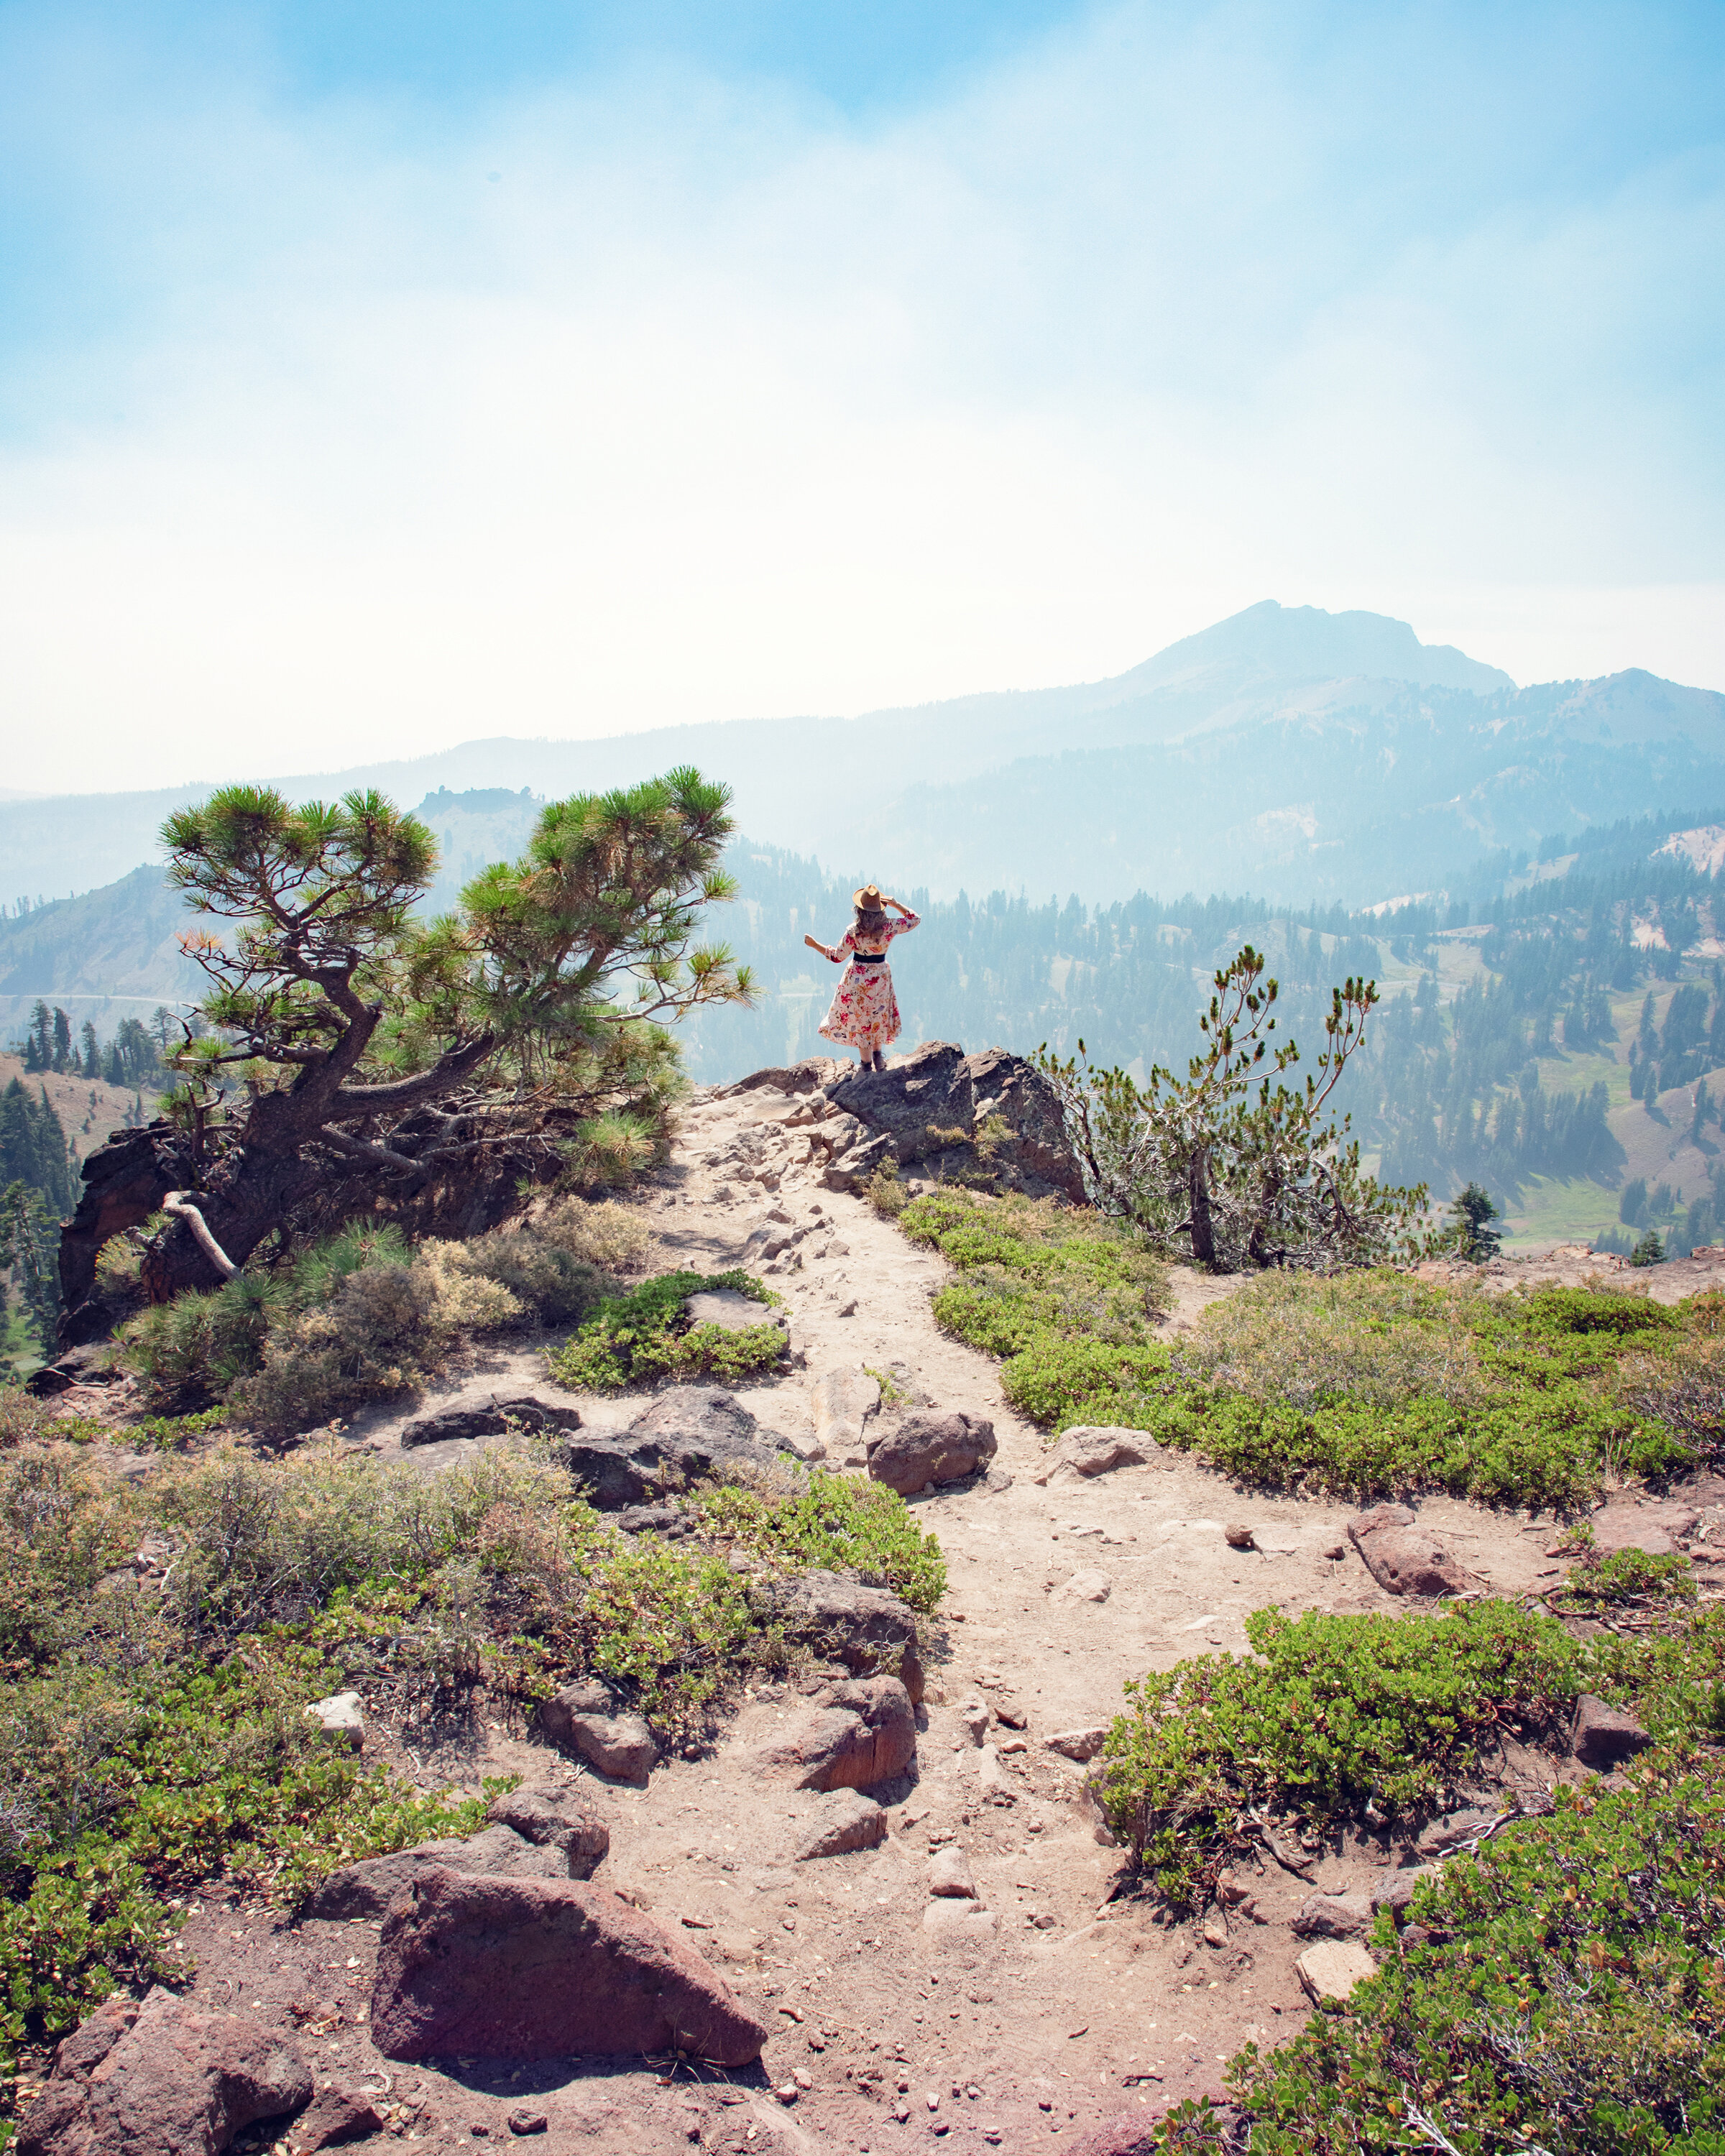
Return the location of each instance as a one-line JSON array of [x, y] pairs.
[[920, 1449], [866, 1628], [491, 1418], [1406, 1558], [367, 1888], [864, 1733], [942, 1112], [524, 1968], [163, 2079], [689, 1433]]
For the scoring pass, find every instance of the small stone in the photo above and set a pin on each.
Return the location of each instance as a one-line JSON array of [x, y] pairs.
[[525, 2120], [1239, 1538], [341, 1717], [949, 1873], [1331, 1970], [846, 1820], [974, 1715], [1602, 1736], [786, 2091], [1336, 1552], [1086, 1586], [1333, 1916], [1079, 1744], [1215, 1932]]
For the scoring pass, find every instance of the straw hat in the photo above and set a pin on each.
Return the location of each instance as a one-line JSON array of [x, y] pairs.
[[869, 898]]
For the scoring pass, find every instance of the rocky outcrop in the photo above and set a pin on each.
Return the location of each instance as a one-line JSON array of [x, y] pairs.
[[555, 1819], [866, 1628], [490, 1418], [572, 1843], [857, 1736], [1405, 1558], [991, 1116], [526, 1968], [689, 1435], [162, 2079], [919, 1449]]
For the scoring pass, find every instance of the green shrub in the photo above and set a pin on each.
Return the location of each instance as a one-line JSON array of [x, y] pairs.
[[1332, 1712], [834, 1524], [646, 1334], [1569, 1997], [886, 1192]]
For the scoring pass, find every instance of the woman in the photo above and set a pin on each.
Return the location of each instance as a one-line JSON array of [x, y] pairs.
[[864, 1012]]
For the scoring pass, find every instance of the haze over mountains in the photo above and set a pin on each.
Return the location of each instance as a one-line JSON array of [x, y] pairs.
[[1304, 755]]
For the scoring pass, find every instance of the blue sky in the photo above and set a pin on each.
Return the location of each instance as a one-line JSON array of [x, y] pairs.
[[375, 377]]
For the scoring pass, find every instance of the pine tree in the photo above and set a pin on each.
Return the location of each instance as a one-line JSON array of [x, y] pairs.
[[62, 1040], [91, 1065], [1476, 1238]]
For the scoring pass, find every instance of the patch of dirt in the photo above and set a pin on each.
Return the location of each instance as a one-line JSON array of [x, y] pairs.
[[1078, 2008]]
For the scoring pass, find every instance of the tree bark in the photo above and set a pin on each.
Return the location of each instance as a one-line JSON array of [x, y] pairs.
[[1204, 1239]]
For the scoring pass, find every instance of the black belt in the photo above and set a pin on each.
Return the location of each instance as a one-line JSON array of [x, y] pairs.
[[869, 957]]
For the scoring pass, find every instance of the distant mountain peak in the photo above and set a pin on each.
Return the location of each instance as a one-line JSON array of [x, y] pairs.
[[1269, 641]]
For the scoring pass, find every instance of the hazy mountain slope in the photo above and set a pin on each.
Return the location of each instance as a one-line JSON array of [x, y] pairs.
[[1287, 749]]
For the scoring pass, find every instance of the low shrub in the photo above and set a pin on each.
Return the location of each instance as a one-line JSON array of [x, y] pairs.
[[646, 1334], [1569, 1998], [1067, 1299], [834, 1524], [1327, 1713]]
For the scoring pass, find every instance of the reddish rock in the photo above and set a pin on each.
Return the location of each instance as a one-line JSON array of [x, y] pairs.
[[867, 1735], [1656, 1530], [367, 1888], [871, 1632], [1333, 1916], [556, 1820], [334, 2116], [1603, 1737], [1405, 1558], [528, 1968], [164, 2079], [920, 1449], [847, 1820]]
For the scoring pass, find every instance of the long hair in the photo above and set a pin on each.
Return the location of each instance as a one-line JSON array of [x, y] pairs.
[[870, 921]]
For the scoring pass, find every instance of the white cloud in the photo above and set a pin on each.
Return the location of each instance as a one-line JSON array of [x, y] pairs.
[[711, 407]]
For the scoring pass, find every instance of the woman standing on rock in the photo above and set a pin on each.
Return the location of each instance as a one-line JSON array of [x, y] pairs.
[[864, 1013]]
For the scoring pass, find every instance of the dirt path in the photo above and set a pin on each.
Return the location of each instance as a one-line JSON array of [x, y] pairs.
[[1057, 2010]]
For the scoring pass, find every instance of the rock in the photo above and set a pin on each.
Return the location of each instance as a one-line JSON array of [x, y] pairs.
[[1084, 1587], [1079, 1744], [552, 1819], [164, 2079], [654, 1520], [341, 1717], [1603, 1737], [842, 1401], [803, 1443], [490, 1418], [949, 1873], [1332, 1970], [1397, 1892], [1445, 1835], [90, 1364], [528, 1969], [528, 2119], [1215, 1932], [908, 1114], [866, 1735], [1657, 1530], [866, 1628], [686, 1435], [1090, 1448], [973, 1713], [1130, 2134], [846, 1820], [367, 1888], [619, 1746], [1239, 1538], [733, 1313], [334, 2116], [956, 1921], [922, 1448], [1405, 1558], [1333, 1916]]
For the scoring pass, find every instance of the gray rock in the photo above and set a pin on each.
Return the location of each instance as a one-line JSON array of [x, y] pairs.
[[842, 1401], [846, 1820], [1090, 1449], [1333, 1916], [690, 1434], [490, 1418], [558, 1819], [733, 1313], [341, 1717], [1603, 1737], [907, 1112], [920, 1449], [619, 1746], [367, 1888], [1332, 1970], [866, 1628], [1655, 1529]]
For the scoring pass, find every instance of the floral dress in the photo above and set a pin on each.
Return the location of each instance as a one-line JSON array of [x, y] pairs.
[[864, 1012]]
